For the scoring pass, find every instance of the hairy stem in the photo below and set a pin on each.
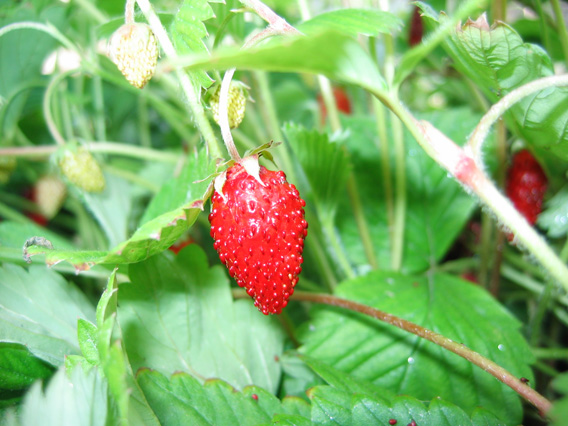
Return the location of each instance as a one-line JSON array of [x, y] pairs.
[[479, 135], [561, 27], [190, 93], [129, 11], [47, 112], [504, 376]]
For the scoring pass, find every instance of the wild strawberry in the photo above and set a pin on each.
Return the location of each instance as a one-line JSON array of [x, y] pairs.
[[257, 222], [7, 166], [180, 244], [49, 194], [341, 100], [82, 170], [236, 104], [416, 30], [526, 185], [134, 50]]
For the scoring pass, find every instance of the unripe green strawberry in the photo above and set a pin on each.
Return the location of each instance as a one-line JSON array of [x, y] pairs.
[[7, 166], [134, 50], [236, 104], [49, 194], [257, 222], [82, 169]]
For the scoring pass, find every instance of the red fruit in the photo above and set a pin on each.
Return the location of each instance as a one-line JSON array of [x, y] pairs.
[[341, 100], [180, 244], [526, 185], [416, 30], [259, 232]]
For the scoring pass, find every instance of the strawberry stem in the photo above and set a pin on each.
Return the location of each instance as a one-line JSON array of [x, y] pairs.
[[224, 115], [480, 133], [47, 107], [504, 376], [129, 11], [192, 96]]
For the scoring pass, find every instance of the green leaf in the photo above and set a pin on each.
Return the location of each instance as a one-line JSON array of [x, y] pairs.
[[39, 309], [555, 217], [498, 61], [405, 363], [213, 403], [188, 30], [337, 407], [437, 206], [353, 22], [412, 57], [324, 163], [165, 222], [81, 400], [329, 53], [87, 336], [345, 382], [22, 53], [178, 315], [19, 368], [111, 208], [559, 411]]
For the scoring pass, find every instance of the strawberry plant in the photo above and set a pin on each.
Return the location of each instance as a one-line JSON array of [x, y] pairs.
[[212, 252]]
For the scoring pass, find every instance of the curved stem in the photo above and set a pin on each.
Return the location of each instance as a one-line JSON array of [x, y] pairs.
[[504, 376], [224, 115], [191, 94], [465, 169], [479, 135], [98, 146], [46, 28], [47, 106], [129, 11]]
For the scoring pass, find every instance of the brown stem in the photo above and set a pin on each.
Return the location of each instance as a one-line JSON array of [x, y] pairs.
[[525, 391]]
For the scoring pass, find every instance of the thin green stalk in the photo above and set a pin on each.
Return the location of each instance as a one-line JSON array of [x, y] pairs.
[[504, 376], [545, 368], [144, 123], [338, 250], [551, 353], [65, 109], [458, 266], [383, 146], [397, 249], [481, 131], [47, 107], [132, 177], [528, 283], [92, 11], [115, 148], [561, 27], [203, 124], [9, 213], [564, 252], [454, 159], [543, 26], [485, 248], [361, 221], [535, 325]]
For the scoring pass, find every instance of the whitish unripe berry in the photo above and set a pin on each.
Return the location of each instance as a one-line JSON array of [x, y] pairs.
[[134, 50], [236, 103]]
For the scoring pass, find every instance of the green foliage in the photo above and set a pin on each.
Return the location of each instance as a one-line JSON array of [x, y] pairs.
[[353, 22], [163, 223], [40, 310], [18, 370], [499, 61], [172, 340], [382, 354], [438, 208], [188, 30], [187, 308]]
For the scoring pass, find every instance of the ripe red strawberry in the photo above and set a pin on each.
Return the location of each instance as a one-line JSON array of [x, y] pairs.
[[526, 185], [341, 100], [259, 232], [416, 30]]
